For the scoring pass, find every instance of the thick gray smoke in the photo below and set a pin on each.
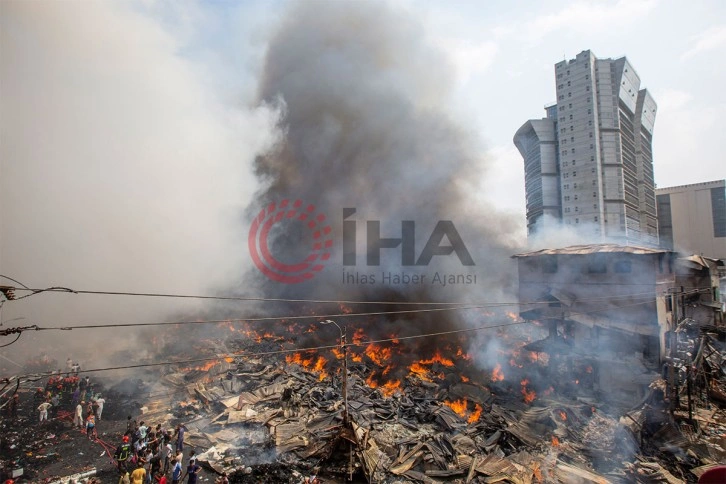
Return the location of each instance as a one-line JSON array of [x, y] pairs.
[[366, 125], [122, 169]]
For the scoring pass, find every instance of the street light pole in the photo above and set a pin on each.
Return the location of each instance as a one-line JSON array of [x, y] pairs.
[[343, 347]]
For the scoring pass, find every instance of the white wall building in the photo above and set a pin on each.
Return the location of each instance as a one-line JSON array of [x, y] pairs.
[[692, 218]]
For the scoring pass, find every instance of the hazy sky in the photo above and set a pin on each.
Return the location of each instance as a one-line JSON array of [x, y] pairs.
[[128, 130]]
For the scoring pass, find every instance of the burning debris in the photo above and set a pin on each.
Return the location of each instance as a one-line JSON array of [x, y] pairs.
[[271, 415]]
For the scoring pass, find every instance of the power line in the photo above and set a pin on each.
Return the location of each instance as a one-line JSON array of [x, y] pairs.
[[647, 296], [34, 291], [225, 298], [318, 348]]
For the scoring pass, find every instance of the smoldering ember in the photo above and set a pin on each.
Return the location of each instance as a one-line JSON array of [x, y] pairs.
[[633, 391]]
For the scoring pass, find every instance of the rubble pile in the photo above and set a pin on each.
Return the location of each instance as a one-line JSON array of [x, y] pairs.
[[262, 411], [281, 416]]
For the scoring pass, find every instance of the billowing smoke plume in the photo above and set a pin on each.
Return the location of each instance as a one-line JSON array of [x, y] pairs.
[[366, 126]]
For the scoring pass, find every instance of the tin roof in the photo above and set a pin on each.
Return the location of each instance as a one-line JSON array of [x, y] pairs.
[[594, 249]]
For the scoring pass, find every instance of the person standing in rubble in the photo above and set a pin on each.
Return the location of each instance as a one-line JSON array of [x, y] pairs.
[[192, 471], [176, 472], [38, 398], [100, 401], [89, 394], [142, 431], [55, 404], [122, 454], [78, 417], [76, 396], [91, 426], [139, 474], [167, 455], [130, 426], [43, 409], [179, 434]]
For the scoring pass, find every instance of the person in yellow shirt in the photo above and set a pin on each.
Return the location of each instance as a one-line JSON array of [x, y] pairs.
[[139, 475]]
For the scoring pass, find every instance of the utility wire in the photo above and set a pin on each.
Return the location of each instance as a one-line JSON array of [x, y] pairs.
[[307, 301], [647, 296], [308, 349]]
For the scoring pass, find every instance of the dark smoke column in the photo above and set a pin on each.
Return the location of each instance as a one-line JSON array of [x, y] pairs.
[[365, 125]]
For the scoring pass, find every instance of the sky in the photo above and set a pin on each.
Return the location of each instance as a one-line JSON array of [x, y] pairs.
[[129, 130], [505, 54]]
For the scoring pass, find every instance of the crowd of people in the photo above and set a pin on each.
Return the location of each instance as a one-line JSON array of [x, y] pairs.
[[149, 454], [73, 393]]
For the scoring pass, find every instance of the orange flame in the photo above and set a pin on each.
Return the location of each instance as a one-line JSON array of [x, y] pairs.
[[313, 365], [563, 416], [377, 354], [420, 371], [555, 441], [460, 354], [474, 417], [537, 473], [390, 387], [458, 406], [464, 379], [497, 374], [437, 358], [529, 395]]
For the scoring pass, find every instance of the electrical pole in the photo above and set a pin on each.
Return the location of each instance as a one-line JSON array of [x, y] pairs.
[[344, 349], [345, 377]]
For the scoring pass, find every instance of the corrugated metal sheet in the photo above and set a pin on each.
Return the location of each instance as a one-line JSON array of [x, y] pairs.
[[594, 249]]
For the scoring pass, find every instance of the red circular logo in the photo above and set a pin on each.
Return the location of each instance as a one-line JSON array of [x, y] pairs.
[[259, 248]]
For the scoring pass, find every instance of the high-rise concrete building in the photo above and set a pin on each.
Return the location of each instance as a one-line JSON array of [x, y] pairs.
[[589, 163], [692, 218]]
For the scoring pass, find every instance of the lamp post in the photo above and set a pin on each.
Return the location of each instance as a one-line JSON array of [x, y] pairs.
[[345, 368]]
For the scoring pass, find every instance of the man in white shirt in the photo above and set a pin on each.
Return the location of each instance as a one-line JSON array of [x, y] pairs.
[[100, 401], [78, 418], [167, 456], [43, 409]]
